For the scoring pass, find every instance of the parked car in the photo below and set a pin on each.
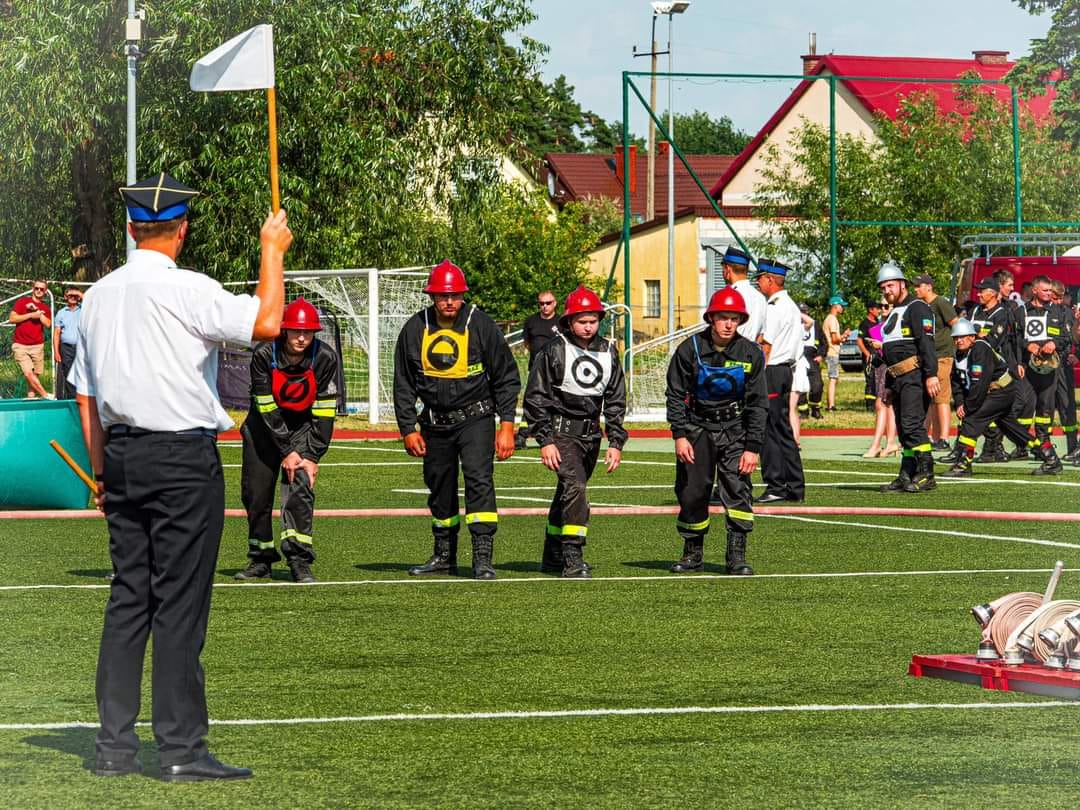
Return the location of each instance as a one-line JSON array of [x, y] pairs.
[[850, 356]]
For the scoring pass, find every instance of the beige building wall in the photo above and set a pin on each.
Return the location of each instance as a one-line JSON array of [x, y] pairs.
[[649, 273], [852, 118]]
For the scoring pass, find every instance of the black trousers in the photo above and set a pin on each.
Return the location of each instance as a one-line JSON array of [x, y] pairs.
[[781, 464], [259, 476], [817, 384], [568, 517], [1065, 401], [997, 407], [473, 445], [165, 507], [1045, 386], [717, 451], [64, 389], [870, 392], [910, 403]]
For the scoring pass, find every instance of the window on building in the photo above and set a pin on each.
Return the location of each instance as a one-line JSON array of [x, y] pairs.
[[652, 298]]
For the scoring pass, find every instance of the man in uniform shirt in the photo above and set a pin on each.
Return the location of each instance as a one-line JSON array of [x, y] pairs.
[[716, 405], [781, 464], [987, 393], [454, 359], [146, 374], [294, 387], [1043, 330], [537, 331], [908, 347]]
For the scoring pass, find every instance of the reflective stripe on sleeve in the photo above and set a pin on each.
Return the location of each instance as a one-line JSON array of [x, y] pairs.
[[446, 523], [735, 513], [482, 517], [692, 527], [570, 530]]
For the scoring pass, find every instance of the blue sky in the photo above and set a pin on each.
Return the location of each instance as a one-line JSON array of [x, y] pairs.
[[591, 43]]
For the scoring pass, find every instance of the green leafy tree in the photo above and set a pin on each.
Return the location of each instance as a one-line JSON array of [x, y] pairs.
[[384, 111], [697, 133], [1055, 56], [926, 166]]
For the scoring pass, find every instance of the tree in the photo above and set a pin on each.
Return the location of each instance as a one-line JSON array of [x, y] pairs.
[[1055, 56], [384, 111], [926, 166], [698, 134]]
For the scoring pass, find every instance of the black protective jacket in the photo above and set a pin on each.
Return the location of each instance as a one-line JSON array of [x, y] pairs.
[[685, 389], [975, 370], [545, 394], [915, 327], [1057, 330], [307, 431], [994, 325], [493, 374]]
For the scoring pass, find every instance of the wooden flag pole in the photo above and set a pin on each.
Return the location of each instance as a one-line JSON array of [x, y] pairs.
[[275, 195]]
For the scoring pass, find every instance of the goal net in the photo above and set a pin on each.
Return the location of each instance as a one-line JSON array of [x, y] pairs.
[[648, 377], [12, 382]]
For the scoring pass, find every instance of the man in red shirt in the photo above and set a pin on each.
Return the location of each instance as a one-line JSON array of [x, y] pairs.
[[31, 315]]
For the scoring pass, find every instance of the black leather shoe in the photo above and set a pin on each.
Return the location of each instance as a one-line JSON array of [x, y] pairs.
[[117, 767], [769, 497], [201, 770]]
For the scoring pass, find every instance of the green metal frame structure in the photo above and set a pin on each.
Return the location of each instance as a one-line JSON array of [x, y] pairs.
[[630, 88]]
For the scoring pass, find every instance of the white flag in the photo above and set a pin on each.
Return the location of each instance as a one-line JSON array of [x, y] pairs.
[[245, 62]]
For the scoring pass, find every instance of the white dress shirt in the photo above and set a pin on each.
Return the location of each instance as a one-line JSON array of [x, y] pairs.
[[783, 329], [148, 344], [755, 305]]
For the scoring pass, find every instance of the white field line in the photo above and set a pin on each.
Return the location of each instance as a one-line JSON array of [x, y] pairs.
[[542, 714], [572, 582]]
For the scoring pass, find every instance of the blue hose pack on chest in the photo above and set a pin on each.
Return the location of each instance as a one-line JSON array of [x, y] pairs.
[[719, 384]]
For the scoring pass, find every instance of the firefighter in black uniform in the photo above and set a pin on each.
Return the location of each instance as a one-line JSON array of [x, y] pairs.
[[992, 321], [453, 358], [575, 378], [812, 341], [717, 401], [287, 431], [908, 348], [1044, 337], [1065, 398], [988, 391]]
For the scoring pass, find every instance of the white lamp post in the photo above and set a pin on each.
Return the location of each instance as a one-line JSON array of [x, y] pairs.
[[671, 8]]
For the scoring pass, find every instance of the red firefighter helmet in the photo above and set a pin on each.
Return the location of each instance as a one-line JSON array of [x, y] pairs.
[[446, 277], [727, 300], [581, 300], [300, 314]]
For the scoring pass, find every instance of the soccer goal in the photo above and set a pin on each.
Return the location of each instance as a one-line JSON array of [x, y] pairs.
[[648, 369]]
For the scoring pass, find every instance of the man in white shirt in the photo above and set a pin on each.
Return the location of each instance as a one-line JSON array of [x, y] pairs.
[[781, 464], [145, 377], [736, 266]]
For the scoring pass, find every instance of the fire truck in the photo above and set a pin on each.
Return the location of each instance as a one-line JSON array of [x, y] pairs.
[[1056, 255]]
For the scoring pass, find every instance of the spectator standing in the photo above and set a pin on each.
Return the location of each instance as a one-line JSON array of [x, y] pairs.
[[31, 317], [65, 338], [833, 338], [939, 416], [873, 315], [539, 329]]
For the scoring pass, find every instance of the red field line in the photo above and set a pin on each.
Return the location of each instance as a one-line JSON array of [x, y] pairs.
[[628, 511]]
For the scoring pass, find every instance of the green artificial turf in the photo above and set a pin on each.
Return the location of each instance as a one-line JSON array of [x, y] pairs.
[[369, 642]]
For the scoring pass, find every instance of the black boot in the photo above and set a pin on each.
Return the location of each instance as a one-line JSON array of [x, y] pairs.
[[961, 469], [736, 555], [901, 483], [955, 456], [574, 563], [443, 559], [552, 561], [1051, 463], [481, 557], [815, 411], [692, 556], [992, 451], [923, 478], [301, 571], [1020, 453], [257, 569]]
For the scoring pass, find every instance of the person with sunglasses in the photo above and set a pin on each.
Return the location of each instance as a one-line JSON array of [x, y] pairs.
[[539, 329], [65, 338], [31, 316]]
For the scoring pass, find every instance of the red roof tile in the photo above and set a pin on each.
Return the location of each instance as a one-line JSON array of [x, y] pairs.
[[880, 83]]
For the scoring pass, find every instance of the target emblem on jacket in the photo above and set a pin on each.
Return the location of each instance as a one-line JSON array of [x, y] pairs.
[[293, 392], [587, 373], [442, 354]]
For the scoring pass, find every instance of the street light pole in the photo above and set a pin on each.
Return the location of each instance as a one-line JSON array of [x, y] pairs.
[[650, 197]]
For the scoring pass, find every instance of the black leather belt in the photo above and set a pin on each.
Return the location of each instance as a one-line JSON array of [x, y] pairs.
[[718, 416], [450, 418], [575, 427], [127, 430]]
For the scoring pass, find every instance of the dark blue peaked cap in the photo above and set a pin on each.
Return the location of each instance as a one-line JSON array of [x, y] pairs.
[[735, 256], [157, 199]]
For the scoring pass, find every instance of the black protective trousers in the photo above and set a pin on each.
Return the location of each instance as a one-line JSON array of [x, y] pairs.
[[817, 384], [910, 403], [781, 464], [718, 451], [259, 476], [472, 445], [1045, 386], [998, 407], [165, 507], [1065, 402], [568, 517]]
